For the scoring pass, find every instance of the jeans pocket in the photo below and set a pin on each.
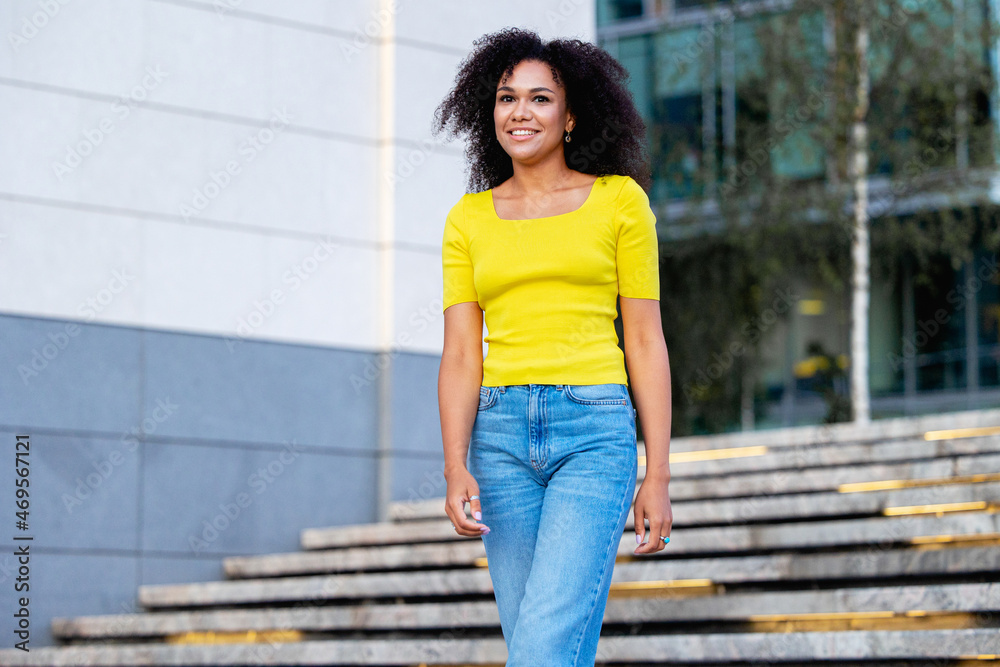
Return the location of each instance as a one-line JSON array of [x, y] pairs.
[[597, 394], [488, 397]]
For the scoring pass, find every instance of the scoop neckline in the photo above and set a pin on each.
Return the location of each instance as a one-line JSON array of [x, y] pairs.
[[590, 195]]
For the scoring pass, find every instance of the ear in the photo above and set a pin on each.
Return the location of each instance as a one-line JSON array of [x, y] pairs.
[[571, 124]]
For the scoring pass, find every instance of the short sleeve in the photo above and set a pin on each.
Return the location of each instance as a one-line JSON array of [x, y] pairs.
[[637, 252], [456, 261]]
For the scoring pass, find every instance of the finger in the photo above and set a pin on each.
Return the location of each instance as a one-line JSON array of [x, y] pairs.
[[456, 514], [656, 529], [639, 526], [652, 539], [463, 524], [475, 507]]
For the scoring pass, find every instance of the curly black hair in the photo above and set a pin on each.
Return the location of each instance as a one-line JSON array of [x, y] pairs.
[[609, 134]]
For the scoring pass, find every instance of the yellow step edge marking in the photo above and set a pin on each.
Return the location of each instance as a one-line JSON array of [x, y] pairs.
[[953, 433], [984, 656], [820, 616], [888, 484], [941, 508], [870, 620], [712, 454], [237, 637], [663, 583], [940, 541], [654, 588]]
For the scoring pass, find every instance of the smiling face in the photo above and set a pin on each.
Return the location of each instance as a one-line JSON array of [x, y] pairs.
[[530, 113]]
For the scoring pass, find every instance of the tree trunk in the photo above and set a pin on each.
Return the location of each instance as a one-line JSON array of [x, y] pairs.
[[860, 245]]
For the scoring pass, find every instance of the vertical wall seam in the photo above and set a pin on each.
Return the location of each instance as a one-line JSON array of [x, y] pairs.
[[386, 235]]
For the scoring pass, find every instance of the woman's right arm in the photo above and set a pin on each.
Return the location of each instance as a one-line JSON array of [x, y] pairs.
[[459, 379]]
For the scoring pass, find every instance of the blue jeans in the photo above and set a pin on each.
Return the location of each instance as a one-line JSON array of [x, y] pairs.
[[556, 468]]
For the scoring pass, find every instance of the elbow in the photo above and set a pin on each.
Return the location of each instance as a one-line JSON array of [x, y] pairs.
[[645, 344], [463, 360]]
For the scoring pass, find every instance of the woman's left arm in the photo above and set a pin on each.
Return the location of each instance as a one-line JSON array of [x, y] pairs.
[[649, 375]]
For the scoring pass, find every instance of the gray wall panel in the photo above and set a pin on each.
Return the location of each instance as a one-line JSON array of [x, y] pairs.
[[230, 500], [65, 585], [259, 391], [83, 491], [55, 373]]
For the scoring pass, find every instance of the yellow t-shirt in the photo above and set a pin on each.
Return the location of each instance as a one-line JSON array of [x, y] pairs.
[[548, 285]]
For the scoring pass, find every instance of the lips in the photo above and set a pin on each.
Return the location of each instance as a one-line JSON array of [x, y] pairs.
[[527, 135]]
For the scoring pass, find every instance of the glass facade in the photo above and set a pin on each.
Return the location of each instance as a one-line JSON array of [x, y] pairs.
[[727, 104]]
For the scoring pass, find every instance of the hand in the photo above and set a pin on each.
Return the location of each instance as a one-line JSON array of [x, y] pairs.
[[653, 502], [461, 487]]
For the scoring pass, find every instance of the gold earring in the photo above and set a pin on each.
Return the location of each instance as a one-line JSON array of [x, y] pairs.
[[567, 137]]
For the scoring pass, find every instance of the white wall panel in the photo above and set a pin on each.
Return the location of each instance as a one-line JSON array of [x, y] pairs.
[[341, 15], [96, 45], [91, 267], [423, 78], [329, 292], [64, 263], [456, 23], [159, 162], [230, 66], [419, 322], [424, 197]]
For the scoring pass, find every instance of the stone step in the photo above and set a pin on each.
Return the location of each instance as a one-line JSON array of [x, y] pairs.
[[813, 534], [783, 459], [799, 534], [756, 458], [688, 513], [733, 607], [877, 560], [934, 472], [773, 646], [356, 559], [817, 505], [938, 473], [951, 425]]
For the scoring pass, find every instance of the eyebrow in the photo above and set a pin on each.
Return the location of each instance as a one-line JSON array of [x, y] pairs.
[[533, 90]]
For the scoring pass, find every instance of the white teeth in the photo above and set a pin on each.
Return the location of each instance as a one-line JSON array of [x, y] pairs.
[[519, 133]]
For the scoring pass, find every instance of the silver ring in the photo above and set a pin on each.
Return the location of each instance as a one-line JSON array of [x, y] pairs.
[[474, 498], [664, 538]]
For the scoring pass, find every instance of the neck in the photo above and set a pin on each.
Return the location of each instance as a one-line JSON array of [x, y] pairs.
[[541, 177]]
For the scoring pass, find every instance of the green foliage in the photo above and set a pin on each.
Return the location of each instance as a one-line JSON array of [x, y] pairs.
[[778, 226]]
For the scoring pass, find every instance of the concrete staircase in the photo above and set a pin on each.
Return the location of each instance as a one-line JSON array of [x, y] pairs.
[[874, 545]]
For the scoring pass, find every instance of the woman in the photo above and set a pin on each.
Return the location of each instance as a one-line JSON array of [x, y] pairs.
[[557, 226]]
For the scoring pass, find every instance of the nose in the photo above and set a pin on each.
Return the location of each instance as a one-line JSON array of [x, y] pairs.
[[521, 109]]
